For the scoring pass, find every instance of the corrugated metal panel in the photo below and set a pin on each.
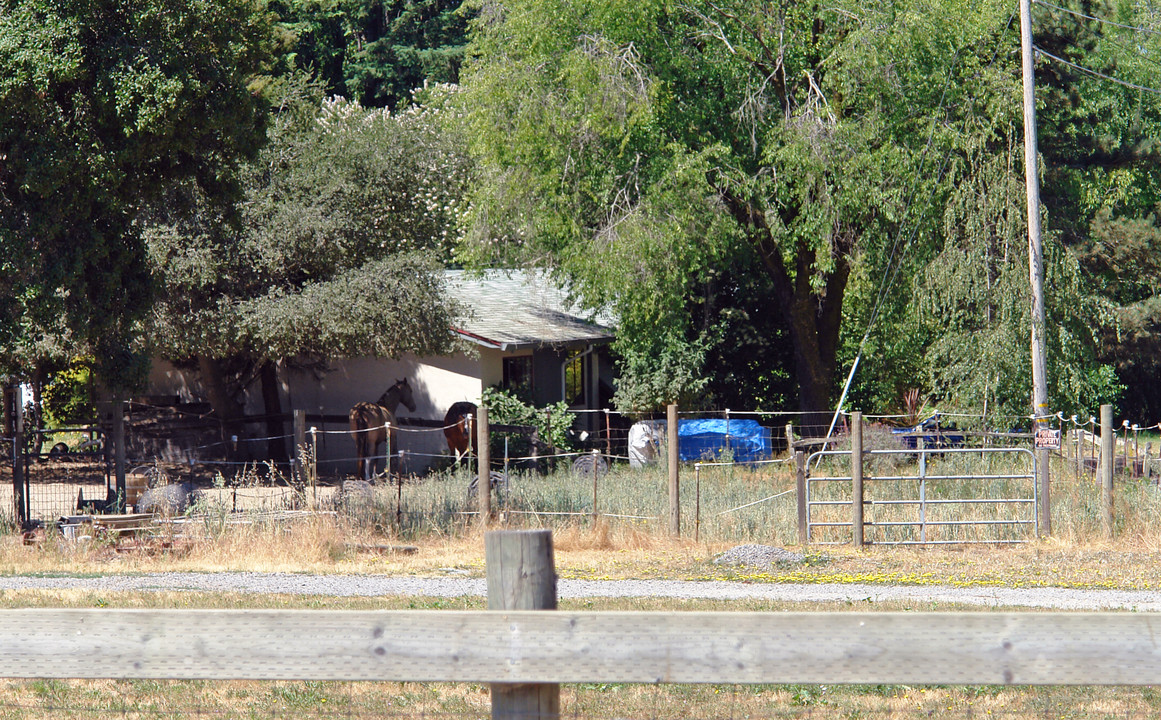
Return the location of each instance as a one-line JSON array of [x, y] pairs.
[[513, 310]]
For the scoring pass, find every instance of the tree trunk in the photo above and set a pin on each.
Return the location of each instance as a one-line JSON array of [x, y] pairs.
[[815, 320], [275, 425], [814, 316], [225, 407]]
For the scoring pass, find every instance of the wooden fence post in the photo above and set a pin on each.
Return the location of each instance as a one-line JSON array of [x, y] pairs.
[[298, 424], [697, 502], [19, 480], [857, 479], [522, 576], [800, 487], [118, 408], [1044, 480], [1107, 460], [674, 480], [1079, 449], [483, 466]]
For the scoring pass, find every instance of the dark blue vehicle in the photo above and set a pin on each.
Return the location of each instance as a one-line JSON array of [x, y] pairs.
[[934, 434]]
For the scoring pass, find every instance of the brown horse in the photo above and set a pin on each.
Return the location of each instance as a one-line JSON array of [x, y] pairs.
[[368, 425], [459, 427]]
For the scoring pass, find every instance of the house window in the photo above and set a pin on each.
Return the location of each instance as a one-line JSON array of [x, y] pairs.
[[518, 376], [574, 379]]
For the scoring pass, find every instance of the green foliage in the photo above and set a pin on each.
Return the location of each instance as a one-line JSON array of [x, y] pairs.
[[68, 397], [552, 422], [335, 251], [373, 51], [975, 301], [651, 378], [649, 149], [103, 106], [1124, 256]]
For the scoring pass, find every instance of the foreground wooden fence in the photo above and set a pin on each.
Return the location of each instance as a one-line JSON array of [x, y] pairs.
[[985, 648], [525, 648]]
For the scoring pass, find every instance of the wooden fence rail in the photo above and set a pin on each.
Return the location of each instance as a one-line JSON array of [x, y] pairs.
[[989, 648]]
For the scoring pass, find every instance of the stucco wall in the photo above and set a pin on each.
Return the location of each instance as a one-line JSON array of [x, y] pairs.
[[436, 384]]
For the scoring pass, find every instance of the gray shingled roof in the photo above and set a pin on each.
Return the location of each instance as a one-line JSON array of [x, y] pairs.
[[515, 310]]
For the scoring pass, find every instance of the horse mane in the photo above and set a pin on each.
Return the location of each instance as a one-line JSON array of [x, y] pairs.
[[367, 422], [398, 393]]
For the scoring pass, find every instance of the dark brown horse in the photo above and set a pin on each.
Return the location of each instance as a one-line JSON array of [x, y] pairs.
[[459, 427], [368, 425]]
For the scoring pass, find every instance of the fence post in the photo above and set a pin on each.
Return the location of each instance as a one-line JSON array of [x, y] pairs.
[[800, 488], [1044, 478], [608, 437], [19, 480], [1136, 451], [483, 466], [790, 440], [596, 459], [118, 408], [1107, 460], [674, 480], [313, 470], [298, 428], [857, 478], [522, 576], [386, 458], [697, 502], [1079, 449]]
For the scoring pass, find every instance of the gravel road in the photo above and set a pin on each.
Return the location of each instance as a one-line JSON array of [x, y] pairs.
[[372, 585]]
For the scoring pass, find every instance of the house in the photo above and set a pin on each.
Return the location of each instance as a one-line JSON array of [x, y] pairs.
[[521, 334]]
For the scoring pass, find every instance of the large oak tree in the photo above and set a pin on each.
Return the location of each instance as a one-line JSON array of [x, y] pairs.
[[650, 148], [103, 106]]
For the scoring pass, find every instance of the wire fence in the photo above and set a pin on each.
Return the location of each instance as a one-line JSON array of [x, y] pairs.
[[73, 472]]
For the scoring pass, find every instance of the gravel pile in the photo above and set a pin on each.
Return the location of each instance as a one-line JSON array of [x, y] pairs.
[[758, 556]]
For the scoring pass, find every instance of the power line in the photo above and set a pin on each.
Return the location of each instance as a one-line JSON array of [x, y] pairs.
[[1098, 19], [1132, 51], [893, 267], [1094, 73]]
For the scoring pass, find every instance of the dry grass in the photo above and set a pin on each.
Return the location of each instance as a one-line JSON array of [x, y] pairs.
[[601, 550], [1079, 554], [154, 699]]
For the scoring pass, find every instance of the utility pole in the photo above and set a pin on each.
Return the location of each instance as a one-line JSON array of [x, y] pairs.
[[1035, 262]]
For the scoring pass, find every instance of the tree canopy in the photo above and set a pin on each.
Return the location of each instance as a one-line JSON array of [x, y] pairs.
[[104, 105], [336, 250], [722, 171], [760, 189], [375, 51], [646, 147]]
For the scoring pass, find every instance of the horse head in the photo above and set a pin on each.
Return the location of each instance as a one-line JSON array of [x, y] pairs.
[[400, 392]]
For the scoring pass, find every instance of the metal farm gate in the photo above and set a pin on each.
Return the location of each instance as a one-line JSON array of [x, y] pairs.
[[51, 479], [922, 496]]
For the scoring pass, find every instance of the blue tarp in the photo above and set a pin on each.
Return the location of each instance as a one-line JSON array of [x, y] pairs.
[[708, 439]]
